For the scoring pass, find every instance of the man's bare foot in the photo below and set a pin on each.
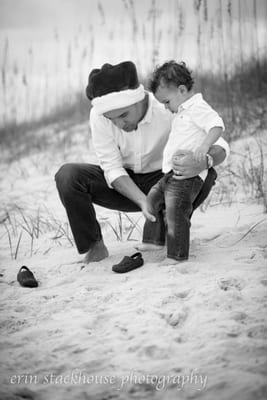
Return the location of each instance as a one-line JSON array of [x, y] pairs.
[[149, 247], [97, 252]]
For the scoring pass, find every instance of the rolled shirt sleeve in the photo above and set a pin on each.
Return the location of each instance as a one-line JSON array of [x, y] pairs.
[[106, 149], [205, 117], [222, 143]]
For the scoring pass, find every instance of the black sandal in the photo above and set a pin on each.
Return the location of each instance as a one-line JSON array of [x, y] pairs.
[[127, 264], [26, 278]]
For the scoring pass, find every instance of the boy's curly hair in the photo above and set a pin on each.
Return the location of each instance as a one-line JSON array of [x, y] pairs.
[[171, 73]]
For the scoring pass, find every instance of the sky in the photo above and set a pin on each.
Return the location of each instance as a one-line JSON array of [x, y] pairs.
[[39, 13]]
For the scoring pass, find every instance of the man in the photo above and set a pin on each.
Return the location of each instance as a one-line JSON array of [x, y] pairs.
[[129, 131]]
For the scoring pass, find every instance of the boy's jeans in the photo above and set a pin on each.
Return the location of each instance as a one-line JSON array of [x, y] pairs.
[[177, 197], [80, 186]]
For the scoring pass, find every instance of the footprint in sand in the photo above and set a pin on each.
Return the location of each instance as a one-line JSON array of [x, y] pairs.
[[141, 390], [234, 332], [249, 258], [23, 393], [187, 268], [49, 297], [177, 318], [152, 352], [121, 328], [231, 283], [238, 316], [181, 338], [175, 312], [174, 299], [260, 392], [183, 294], [155, 352], [258, 332], [100, 396]]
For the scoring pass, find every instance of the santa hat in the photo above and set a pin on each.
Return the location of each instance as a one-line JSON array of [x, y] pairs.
[[114, 86]]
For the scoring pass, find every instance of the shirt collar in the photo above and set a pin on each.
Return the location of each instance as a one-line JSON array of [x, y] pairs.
[[196, 98], [148, 115]]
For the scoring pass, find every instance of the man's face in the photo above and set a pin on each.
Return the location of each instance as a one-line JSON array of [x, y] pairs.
[[126, 118], [172, 97]]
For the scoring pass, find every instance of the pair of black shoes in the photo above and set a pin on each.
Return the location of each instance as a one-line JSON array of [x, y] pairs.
[[127, 264], [26, 278]]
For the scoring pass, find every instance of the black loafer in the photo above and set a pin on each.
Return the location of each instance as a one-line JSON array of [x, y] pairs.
[[127, 264], [26, 278]]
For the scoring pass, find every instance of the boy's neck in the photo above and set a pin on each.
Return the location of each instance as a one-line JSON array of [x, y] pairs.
[[188, 95]]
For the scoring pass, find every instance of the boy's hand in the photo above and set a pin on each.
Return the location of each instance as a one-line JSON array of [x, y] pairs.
[[201, 152]]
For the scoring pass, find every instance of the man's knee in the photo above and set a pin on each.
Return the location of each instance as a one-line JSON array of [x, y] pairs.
[[66, 174]]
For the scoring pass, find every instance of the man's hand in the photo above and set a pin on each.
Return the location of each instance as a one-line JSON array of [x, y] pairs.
[[200, 153], [147, 212], [126, 186], [186, 166]]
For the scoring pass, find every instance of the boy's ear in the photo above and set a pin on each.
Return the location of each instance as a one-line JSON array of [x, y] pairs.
[[182, 89]]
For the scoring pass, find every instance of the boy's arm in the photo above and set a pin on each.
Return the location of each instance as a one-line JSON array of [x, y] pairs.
[[208, 120], [213, 135]]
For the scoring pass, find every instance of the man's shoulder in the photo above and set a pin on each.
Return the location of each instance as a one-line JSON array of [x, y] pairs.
[[94, 116], [97, 120]]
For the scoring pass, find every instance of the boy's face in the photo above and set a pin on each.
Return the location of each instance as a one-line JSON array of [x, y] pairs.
[[171, 96]]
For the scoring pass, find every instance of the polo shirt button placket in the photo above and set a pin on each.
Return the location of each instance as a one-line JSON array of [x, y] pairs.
[[138, 153]]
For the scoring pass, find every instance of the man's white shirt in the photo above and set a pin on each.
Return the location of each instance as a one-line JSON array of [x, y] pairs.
[[140, 150]]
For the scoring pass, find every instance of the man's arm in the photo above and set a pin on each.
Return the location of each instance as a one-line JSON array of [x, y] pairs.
[[126, 186], [110, 159], [185, 166]]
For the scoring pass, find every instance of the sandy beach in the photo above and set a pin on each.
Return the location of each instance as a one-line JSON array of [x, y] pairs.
[[192, 330]]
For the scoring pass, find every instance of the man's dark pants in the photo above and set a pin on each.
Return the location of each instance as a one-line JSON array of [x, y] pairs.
[[82, 185]]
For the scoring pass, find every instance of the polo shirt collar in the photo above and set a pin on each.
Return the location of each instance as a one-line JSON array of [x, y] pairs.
[[148, 115], [196, 98]]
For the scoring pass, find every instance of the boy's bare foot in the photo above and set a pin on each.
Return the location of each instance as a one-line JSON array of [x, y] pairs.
[[171, 261], [149, 247], [97, 252]]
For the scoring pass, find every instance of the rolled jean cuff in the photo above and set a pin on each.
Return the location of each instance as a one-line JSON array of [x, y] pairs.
[[177, 258], [157, 242]]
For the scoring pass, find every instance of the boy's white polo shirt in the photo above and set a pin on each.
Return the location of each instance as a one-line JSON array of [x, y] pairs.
[[194, 119]]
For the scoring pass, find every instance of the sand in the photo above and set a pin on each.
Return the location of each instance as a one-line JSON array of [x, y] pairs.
[[192, 330]]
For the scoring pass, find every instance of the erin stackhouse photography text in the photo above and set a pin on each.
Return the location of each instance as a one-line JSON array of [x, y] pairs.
[[80, 377]]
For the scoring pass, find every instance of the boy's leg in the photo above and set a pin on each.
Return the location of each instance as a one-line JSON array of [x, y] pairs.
[[179, 198]]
